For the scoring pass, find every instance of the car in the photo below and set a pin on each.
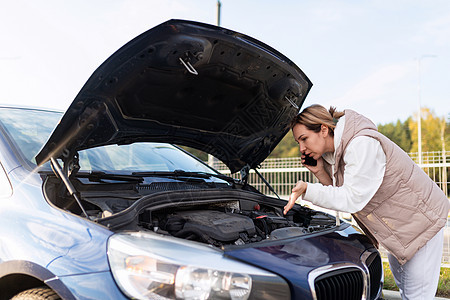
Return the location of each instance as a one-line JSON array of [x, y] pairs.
[[105, 201]]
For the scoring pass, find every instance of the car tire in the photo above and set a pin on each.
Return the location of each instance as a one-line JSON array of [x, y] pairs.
[[41, 293]]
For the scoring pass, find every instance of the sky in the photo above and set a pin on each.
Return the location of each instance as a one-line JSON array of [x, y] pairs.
[[382, 58]]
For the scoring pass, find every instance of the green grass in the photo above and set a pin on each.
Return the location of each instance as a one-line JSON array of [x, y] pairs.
[[389, 282], [443, 285]]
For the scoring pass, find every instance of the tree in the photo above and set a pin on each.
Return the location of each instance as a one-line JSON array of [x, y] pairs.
[[432, 131], [399, 133], [288, 147], [198, 153]]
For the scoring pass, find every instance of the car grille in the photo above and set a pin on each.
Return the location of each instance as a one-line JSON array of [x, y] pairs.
[[343, 284], [376, 272]]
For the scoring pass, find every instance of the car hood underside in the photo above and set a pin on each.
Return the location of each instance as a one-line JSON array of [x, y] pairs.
[[190, 84]]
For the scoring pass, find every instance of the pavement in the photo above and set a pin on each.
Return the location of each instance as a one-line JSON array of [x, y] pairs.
[[394, 295]]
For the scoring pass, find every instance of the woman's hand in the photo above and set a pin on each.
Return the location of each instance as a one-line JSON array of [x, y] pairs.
[[297, 191], [319, 171], [315, 168]]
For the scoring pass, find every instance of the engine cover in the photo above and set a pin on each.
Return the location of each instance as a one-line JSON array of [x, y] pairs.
[[218, 225]]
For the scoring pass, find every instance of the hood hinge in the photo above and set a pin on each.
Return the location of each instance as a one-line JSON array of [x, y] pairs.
[[71, 162], [244, 174]]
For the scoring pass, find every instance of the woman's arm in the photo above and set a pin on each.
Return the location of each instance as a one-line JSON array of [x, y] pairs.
[[301, 186], [365, 164], [323, 177]]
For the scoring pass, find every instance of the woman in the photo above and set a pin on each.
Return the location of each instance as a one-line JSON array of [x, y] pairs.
[[364, 173]]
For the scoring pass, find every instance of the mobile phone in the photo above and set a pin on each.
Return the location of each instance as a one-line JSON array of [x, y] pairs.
[[310, 161]]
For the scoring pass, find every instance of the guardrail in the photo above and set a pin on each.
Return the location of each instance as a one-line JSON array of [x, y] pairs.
[[283, 173]]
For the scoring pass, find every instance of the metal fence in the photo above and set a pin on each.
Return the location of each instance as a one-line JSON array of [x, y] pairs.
[[283, 173]]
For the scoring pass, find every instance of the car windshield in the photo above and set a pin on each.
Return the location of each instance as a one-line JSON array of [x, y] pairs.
[[29, 129]]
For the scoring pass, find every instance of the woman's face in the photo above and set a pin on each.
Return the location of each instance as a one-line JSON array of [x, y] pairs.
[[313, 143]]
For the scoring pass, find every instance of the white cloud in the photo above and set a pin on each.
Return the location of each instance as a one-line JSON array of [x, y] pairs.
[[436, 31], [377, 85]]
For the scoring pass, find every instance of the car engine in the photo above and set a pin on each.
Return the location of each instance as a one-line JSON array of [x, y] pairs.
[[223, 226]]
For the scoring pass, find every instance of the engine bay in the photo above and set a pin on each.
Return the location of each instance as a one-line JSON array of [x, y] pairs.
[[229, 224], [218, 217]]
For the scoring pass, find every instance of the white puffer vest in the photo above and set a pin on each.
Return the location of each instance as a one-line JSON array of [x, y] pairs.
[[408, 209]]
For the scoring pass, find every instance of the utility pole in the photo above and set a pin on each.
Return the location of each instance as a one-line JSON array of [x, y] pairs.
[[444, 159], [212, 161], [219, 5]]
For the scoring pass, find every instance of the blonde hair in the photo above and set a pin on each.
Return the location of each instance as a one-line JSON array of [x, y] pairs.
[[314, 116]]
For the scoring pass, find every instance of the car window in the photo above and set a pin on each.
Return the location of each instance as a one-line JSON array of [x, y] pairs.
[[5, 185], [140, 157], [29, 130]]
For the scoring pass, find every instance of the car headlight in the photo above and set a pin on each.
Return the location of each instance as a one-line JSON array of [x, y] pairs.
[[149, 266]]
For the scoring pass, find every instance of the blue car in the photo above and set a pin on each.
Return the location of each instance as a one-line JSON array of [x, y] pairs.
[[108, 205]]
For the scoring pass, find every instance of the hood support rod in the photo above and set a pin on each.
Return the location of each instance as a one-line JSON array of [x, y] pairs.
[[268, 184], [67, 183]]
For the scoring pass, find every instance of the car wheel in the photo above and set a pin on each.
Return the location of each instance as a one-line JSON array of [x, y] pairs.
[[41, 293]]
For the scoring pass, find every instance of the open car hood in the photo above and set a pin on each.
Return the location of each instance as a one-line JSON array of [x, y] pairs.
[[190, 84]]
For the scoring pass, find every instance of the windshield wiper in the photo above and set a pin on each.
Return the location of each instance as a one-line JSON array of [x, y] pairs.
[[98, 176], [220, 176]]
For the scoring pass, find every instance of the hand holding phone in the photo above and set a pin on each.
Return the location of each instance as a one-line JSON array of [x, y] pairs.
[[310, 161]]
